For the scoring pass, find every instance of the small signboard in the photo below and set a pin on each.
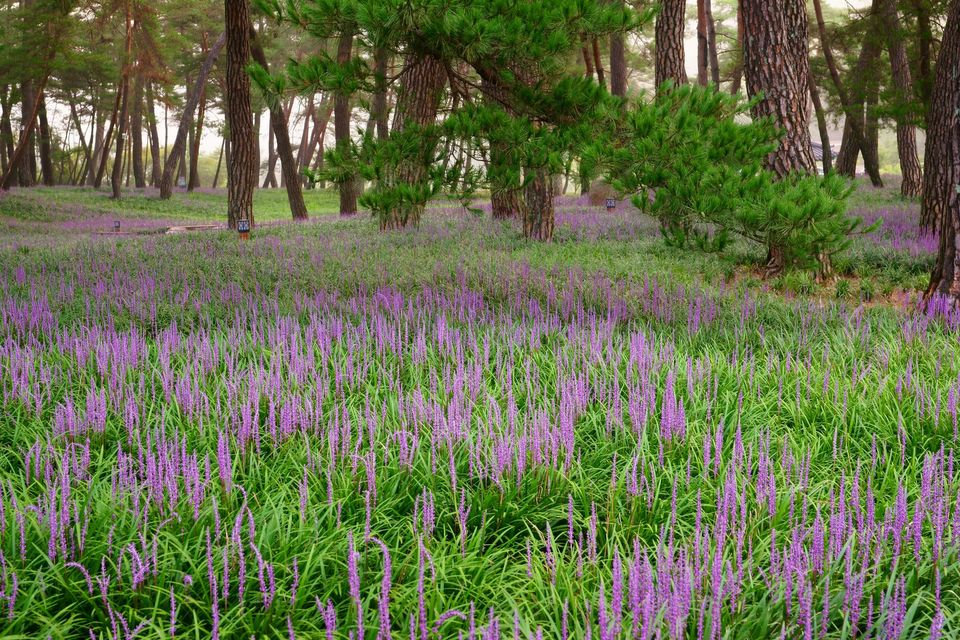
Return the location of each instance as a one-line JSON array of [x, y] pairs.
[[611, 204], [182, 182], [243, 228], [116, 225]]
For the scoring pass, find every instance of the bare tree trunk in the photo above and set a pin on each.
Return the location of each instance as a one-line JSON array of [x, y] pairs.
[[618, 65], [849, 106], [6, 128], [782, 79], [46, 159], [342, 119], [418, 102], [216, 175], [538, 210], [703, 48], [912, 185], [27, 163], [241, 168], [598, 63], [270, 180], [925, 48], [712, 45], [278, 129], [78, 125], [194, 180], [16, 158], [136, 134], [99, 148], [186, 120], [117, 174], [737, 79], [941, 198], [669, 43], [822, 126], [587, 59], [379, 107], [156, 170], [108, 138]]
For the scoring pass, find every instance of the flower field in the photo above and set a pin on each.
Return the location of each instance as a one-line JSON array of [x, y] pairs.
[[328, 432]]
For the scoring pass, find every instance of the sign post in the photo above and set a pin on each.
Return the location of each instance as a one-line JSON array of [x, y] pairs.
[[116, 226], [243, 228], [611, 204]]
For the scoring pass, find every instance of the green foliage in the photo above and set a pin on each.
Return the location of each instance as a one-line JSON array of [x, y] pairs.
[[701, 163]]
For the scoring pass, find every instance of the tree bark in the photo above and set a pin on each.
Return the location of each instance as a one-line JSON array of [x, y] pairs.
[[136, 134], [194, 180], [776, 65], [669, 43], [46, 159], [538, 209], [186, 120], [912, 185], [941, 199], [117, 173], [712, 45], [598, 64], [278, 127], [703, 48], [6, 128], [270, 179], [342, 118], [78, 125], [737, 79], [27, 162], [925, 50], [16, 158], [418, 102], [241, 169], [108, 138], [850, 107], [827, 160], [379, 106], [99, 147], [618, 65], [156, 169]]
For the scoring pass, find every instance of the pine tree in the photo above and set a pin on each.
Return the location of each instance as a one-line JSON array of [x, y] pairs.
[[241, 168]]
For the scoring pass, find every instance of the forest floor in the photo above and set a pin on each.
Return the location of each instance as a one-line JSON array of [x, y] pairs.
[[891, 263]]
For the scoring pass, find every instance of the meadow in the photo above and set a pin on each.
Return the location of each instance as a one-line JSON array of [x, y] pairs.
[[330, 432]]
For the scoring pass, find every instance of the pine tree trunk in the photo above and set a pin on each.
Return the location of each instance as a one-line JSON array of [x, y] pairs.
[[6, 128], [912, 185], [342, 125], [849, 152], [776, 65], [156, 168], [737, 79], [538, 209], [99, 147], [46, 159], [822, 126], [241, 170], [136, 135], [26, 134], [598, 63], [924, 78], [941, 199], [270, 179], [703, 48], [108, 138], [186, 120], [194, 180], [279, 131], [851, 106], [379, 106], [78, 125], [116, 175], [669, 43], [28, 175], [216, 174], [618, 65], [712, 45], [418, 102]]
